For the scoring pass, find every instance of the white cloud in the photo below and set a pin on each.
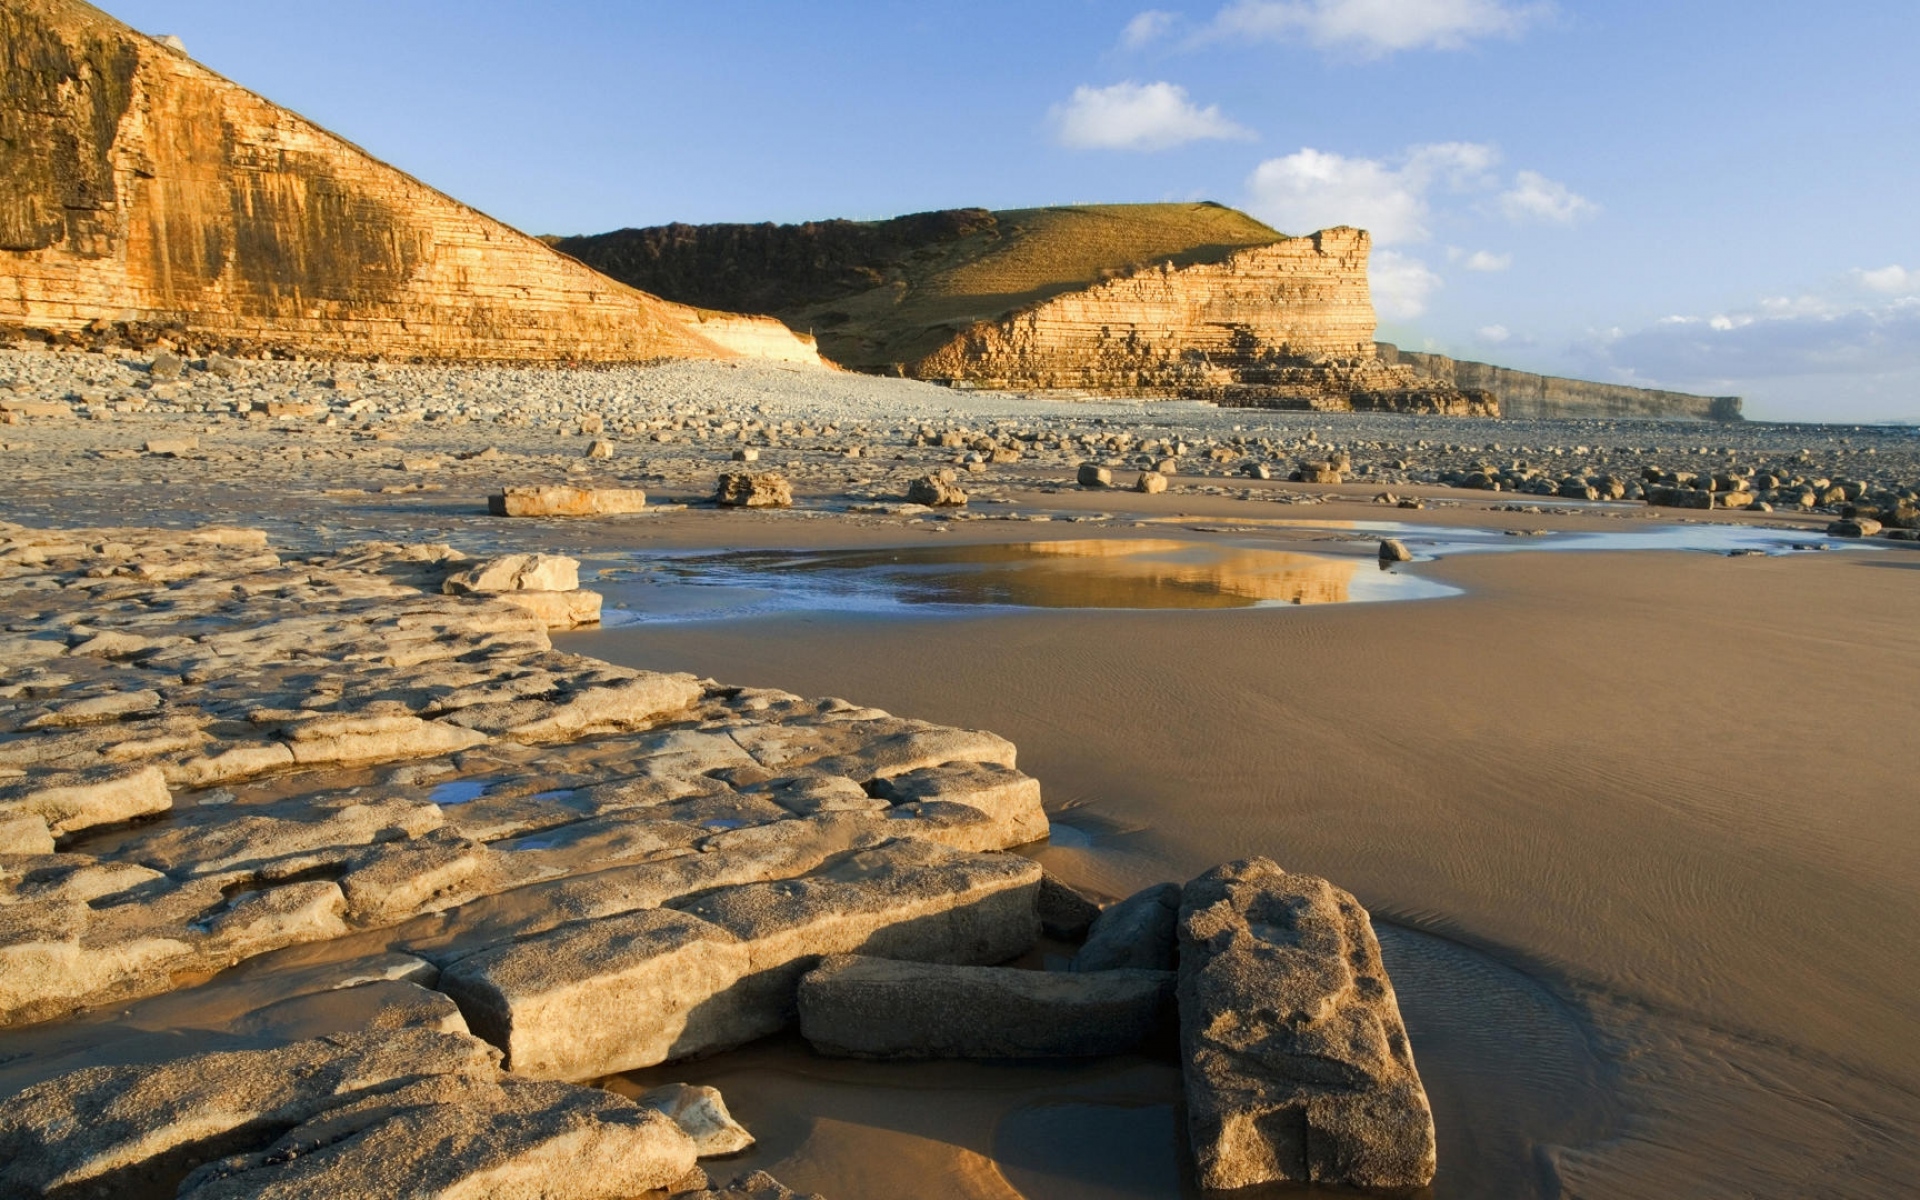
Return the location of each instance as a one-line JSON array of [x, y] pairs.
[[1375, 28], [1534, 197], [1312, 189], [1479, 260], [1149, 26], [1495, 333], [1133, 116], [1893, 280], [1400, 284], [1778, 338]]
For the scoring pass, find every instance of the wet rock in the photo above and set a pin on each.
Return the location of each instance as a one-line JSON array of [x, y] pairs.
[[552, 500], [137, 1130], [1297, 1065], [1093, 475], [935, 492], [1393, 550], [701, 1114], [759, 489], [1065, 914], [463, 1138], [755, 1186], [862, 1007]]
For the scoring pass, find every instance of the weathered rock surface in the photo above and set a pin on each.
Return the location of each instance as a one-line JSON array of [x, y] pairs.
[[935, 492], [864, 1007], [554, 500], [757, 1185], [121, 1131], [149, 195], [1297, 1065], [1065, 914], [207, 666], [506, 1138], [757, 489]]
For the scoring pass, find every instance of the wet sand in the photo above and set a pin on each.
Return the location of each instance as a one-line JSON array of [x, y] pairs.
[[1641, 827]]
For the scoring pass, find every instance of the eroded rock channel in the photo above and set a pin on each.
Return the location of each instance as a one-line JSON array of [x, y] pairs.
[[481, 873]]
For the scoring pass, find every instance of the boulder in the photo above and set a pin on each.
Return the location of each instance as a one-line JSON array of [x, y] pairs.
[[1854, 527], [935, 492], [454, 1138], [758, 489], [1150, 482], [516, 573], [1137, 933], [861, 1007], [562, 501], [1296, 1063], [1093, 475], [701, 1114], [600, 448], [1393, 550], [137, 1130]]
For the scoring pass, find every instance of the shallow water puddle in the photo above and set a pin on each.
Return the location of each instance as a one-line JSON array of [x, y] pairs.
[[1093, 573]]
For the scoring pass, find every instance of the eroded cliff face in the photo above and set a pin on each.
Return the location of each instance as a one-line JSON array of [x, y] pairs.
[[1285, 325], [141, 194], [1524, 394]]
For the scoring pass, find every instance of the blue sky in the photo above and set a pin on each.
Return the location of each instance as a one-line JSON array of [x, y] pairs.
[[1705, 194]]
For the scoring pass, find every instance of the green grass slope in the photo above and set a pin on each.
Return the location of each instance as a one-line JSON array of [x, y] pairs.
[[878, 294]]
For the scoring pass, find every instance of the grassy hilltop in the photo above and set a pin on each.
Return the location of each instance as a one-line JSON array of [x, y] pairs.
[[880, 293]]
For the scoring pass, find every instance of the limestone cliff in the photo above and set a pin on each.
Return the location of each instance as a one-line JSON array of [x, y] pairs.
[[1154, 300], [141, 194], [1523, 394]]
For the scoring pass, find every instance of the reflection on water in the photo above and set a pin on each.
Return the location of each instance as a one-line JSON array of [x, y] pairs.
[[1109, 573]]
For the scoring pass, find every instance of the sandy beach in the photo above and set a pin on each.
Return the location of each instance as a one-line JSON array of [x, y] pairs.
[[1635, 825]]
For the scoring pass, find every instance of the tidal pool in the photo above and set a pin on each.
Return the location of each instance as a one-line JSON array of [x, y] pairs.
[[1104, 573]]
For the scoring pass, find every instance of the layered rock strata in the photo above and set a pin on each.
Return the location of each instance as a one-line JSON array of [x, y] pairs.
[[1190, 301], [144, 196], [1522, 394], [1297, 1065], [211, 752]]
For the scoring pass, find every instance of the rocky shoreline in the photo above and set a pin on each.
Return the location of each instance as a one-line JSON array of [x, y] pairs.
[[553, 870]]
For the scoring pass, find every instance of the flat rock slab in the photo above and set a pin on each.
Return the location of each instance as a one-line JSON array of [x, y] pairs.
[[1297, 1064], [115, 1132], [503, 1140], [861, 1007], [598, 997], [634, 989]]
